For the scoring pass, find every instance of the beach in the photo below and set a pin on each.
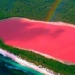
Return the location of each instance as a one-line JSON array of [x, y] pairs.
[[25, 63]]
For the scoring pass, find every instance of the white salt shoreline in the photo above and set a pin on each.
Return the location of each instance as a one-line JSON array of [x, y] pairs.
[[48, 56], [56, 23], [25, 63]]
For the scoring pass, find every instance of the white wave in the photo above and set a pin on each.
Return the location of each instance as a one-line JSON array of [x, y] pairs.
[[3, 54], [25, 63], [11, 67]]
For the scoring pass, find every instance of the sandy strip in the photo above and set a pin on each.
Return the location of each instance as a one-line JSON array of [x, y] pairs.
[[57, 23], [25, 63]]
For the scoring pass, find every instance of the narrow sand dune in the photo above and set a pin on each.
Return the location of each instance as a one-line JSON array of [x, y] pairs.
[[56, 39]]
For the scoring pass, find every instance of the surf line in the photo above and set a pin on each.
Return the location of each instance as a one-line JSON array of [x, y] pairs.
[[53, 9]]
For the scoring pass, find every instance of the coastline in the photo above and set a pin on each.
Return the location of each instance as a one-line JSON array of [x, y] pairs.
[[23, 62], [26, 63]]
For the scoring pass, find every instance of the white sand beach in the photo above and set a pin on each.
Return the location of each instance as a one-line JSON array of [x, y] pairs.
[[25, 63]]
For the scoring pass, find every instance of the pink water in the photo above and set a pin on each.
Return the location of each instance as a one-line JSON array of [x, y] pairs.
[[55, 39]]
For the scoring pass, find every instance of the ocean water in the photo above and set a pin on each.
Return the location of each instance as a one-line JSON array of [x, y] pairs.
[[10, 67]]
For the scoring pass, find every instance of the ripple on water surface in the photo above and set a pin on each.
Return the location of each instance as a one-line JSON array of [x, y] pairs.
[[9, 66]]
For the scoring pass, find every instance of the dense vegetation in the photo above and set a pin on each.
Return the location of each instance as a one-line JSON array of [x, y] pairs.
[[33, 9], [37, 59], [65, 12], [38, 9]]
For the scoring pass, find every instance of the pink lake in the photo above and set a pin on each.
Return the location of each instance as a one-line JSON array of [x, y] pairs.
[[56, 39]]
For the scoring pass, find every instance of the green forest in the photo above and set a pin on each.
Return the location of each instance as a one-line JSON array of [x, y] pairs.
[[38, 9], [55, 66], [65, 12], [33, 9]]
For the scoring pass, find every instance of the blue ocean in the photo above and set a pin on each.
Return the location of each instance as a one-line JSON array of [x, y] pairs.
[[9, 67]]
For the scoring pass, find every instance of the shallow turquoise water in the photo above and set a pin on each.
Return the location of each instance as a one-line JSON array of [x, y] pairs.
[[10, 67]]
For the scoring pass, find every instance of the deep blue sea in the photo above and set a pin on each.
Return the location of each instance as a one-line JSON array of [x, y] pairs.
[[10, 67]]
